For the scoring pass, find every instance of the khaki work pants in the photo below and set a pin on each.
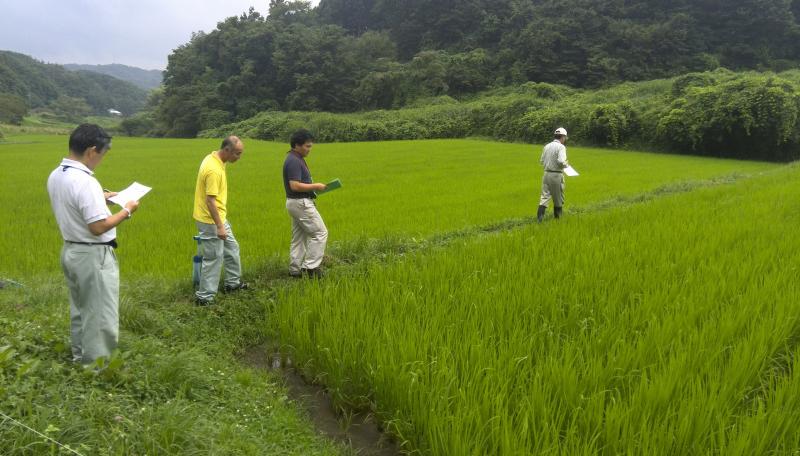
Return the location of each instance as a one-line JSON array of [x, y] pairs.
[[309, 235], [552, 188]]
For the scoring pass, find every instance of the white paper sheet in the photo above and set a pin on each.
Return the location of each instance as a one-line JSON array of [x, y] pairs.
[[570, 171], [134, 192]]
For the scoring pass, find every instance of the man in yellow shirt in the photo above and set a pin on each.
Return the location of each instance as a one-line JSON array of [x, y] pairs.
[[218, 246]]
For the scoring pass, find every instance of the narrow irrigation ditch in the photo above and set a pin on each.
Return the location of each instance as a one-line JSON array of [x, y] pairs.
[[357, 429]]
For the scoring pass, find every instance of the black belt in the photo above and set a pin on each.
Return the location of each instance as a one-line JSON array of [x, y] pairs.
[[550, 171], [111, 243]]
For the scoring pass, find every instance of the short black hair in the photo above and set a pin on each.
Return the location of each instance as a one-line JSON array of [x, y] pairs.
[[559, 136], [300, 137], [89, 135]]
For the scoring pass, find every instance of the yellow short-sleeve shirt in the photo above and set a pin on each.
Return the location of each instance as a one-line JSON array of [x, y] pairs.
[[211, 181]]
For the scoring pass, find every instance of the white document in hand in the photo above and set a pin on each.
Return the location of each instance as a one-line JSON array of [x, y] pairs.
[[570, 171], [134, 192]]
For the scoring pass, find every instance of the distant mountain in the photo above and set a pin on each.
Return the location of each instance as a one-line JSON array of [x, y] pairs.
[[146, 79], [41, 84]]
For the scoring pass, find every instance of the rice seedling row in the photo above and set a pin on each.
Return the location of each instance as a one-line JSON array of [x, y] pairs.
[[663, 328]]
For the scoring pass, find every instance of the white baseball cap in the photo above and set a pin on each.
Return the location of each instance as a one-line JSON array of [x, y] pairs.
[[560, 131]]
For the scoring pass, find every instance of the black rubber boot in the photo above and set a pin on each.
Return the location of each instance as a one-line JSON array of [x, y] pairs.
[[557, 211], [540, 213]]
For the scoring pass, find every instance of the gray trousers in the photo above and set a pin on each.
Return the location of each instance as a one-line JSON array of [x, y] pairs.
[[552, 188], [92, 275], [217, 252], [309, 235]]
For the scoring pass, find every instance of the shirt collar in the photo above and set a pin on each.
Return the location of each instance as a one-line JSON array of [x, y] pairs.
[[77, 165]]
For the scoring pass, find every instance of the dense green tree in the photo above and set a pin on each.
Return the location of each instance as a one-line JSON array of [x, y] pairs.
[[754, 118], [69, 109], [291, 11], [12, 109], [354, 15], [142, 124], [350, 55], [317, 68]]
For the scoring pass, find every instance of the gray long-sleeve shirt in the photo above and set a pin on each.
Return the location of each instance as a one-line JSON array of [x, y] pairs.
[[554, 156]]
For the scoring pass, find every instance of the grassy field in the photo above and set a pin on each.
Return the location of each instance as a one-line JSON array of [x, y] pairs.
[[656, 318], [176, 386], [661, 328], [405, 189]]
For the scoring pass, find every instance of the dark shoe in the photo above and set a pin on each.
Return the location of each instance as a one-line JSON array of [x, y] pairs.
[[241, 287], [203, 302], [315, 273], [540, 213], [557, 211], [297, 275]]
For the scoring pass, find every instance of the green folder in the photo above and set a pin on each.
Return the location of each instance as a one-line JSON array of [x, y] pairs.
[[330, 186]]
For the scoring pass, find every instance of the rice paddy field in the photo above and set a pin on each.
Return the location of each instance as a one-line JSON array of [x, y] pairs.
[[663, 328], [402, 189], [658, 317]]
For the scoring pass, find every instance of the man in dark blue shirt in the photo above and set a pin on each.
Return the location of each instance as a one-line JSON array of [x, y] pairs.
[[309, 234]]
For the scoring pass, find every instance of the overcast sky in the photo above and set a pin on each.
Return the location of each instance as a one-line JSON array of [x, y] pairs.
[[139, 33]]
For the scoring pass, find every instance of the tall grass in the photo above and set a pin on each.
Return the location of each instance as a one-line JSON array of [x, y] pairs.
[[662, 328]]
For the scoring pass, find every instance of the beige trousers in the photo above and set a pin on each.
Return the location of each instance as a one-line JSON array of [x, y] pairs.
[[309, 235], [552, 188]]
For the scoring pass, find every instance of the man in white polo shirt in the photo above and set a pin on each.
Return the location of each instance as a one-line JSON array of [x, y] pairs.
[[87, 257], [554, 160]]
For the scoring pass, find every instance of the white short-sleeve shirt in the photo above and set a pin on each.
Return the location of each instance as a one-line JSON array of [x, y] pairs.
[[554, 156], [77, 199]]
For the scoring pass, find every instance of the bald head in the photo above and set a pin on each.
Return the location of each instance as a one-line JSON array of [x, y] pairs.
[[231, 149]]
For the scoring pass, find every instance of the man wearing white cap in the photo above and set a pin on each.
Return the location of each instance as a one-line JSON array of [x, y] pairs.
[[554, 160]]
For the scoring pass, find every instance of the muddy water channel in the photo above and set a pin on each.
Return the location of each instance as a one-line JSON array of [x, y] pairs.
[[358, 430]]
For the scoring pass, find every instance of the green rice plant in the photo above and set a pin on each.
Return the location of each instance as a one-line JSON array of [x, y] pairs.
[[661, 328], [402, 189], [459, 344]]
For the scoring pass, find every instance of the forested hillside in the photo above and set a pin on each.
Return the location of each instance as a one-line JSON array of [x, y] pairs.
[[26, 83], [144, 79], [352, 55]]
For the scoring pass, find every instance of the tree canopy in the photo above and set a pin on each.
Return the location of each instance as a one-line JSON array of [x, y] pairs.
[[351, 55]]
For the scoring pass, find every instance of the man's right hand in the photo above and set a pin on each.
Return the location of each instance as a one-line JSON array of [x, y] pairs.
[[320, 186], [221, 233], [132, 206]]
